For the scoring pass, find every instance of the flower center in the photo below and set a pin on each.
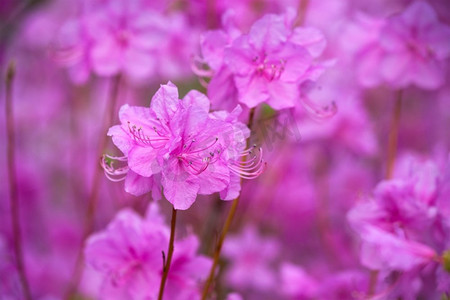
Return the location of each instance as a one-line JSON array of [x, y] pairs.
[[123, 37], [250, 163], [269, 68], [196, 157]]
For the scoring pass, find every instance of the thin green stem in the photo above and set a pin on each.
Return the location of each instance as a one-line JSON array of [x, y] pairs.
[[167, 263], [393, 135], [392, 153], [301, 13], [225, 229], [108, 116], [226, 226], [13, 185], [107, 120]]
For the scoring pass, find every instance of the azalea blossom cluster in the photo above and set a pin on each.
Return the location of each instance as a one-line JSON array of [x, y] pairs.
[[225, 149], [181, 146]]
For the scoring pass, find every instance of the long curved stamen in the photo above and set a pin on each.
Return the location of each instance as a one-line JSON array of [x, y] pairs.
[[140, 137], [319, 112], [250, 175], [197, 171], [251, 168], [248, 170], [247, 151], [158, 132], [194, 162], [112, 173], [191, 164], [197, 66], [203, 82], [187, 147], [206, 148], [247, 163]]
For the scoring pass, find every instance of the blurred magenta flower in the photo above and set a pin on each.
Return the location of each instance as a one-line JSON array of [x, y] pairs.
[[267, 65], [127, 255], [136, 38], [402, 228], [296, 283], [410, 48], [250, 252]]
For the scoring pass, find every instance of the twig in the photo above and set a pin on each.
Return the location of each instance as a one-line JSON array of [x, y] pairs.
[[301, 13], [13, 185], [226, 226], [392, 153], [108, 116], [167, 263], [393, 135]]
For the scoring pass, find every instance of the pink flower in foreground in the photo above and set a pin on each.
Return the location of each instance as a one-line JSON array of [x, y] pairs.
[[128, 257], [267, 65], [410, 48], [178, 144]]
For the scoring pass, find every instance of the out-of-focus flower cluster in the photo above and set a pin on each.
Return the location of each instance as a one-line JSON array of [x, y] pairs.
[[327, 121]]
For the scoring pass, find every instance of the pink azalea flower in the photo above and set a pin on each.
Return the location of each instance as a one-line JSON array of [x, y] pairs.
[[408, 49], [384, 250], [398, 227], [267, 65], [415, 45], [267, 68], [221, 88], [123, 36], [134, 38], [178, 144], [127, 255]]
